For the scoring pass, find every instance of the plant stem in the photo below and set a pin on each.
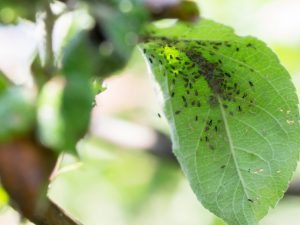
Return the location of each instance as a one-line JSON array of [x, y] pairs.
[[49, 24]]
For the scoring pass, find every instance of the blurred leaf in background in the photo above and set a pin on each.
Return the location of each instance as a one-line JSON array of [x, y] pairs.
[[17, 113]]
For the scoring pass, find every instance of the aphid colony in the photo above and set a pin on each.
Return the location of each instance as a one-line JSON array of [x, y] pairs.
[[186, 62]]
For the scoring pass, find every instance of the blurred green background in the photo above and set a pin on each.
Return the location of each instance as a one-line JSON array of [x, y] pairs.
[[116, 182]]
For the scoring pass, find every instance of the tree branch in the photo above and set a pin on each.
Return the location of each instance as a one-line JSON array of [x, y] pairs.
[[25, 168]]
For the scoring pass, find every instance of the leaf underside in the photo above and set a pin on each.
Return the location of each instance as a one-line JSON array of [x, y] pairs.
[[233, 114]]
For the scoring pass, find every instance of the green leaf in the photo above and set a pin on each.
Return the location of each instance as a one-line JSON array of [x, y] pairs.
[[4, 198], [233, 115], [17, 113], [117, 31], [77, 103], [64, 112]]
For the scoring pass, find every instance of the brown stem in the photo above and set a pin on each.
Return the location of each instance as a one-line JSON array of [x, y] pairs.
[[25, 168]]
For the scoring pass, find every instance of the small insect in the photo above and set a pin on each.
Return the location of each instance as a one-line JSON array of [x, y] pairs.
[[240, 109], [251, 84], [227, 74], [183, 98], [198, 103], [193, 102], [158, 115], [196, 118], [150, 60], [196, 93], [216, 128], [210, 123], [237, 49], [172, 94], [223, 166], [206, 139], [250, 200], [245, 95], [177, 112]]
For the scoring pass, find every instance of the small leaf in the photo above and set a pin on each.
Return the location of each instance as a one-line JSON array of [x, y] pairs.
[[17, 113], [233, 115], [64, 112]]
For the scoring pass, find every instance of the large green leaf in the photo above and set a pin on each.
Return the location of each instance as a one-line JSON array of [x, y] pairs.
[[233, 114]]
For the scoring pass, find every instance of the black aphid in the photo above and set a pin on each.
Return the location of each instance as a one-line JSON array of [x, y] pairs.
[[177, 112], [225, 106], [206, 139], [245, 95], [237, 49], [216, 128], [240, 109], [183, 98], [227, 74], [250, 200], [196, 93], [198, 103], [196, 118], [223, 166], [210, 123], [150, 60], [158, 115], [251, 84], [193, 102], [172, 94]]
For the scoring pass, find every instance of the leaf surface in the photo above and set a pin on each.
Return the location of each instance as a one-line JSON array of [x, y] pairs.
[[233, 115]]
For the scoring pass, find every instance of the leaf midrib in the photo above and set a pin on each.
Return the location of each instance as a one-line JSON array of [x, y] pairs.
[[231, 148]]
